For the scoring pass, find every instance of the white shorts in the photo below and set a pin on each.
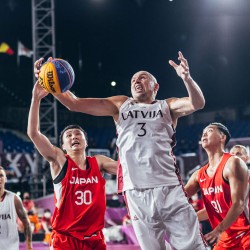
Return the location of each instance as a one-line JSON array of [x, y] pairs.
[[164, 213]]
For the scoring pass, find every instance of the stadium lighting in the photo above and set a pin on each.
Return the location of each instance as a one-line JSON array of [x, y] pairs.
[[113, 83]]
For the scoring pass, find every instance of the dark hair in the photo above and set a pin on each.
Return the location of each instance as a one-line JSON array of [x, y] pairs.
[[222, 129], [71, 127]]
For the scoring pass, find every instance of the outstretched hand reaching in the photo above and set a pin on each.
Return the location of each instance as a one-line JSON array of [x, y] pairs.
[[182, 69]]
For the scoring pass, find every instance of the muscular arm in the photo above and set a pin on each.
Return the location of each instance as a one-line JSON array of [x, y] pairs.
[[52, 154], [25, 220], [195, 100], [236, 173], [93, 106], [107, 164]]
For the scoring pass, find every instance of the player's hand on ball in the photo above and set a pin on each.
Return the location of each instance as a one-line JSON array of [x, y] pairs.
[[37, 66], [39, 92], [55, 75]]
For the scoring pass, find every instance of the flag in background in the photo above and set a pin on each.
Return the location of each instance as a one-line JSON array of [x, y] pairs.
[[23, 51], [5, 48]]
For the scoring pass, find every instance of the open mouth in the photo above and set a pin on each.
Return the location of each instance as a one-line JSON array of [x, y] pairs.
[[75, 144], [138, 87]]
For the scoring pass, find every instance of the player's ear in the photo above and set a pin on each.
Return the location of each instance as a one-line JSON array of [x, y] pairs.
[[157, 86], [248, 158], [224, 138]]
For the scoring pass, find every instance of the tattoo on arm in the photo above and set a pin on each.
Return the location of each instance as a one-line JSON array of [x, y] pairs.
[[25, 220]]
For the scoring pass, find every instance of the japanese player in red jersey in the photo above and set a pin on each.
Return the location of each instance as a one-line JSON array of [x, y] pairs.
[[79, 186], [223, 182]]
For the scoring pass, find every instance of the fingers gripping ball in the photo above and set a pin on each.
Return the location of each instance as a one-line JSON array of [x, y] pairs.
[[56, 76]]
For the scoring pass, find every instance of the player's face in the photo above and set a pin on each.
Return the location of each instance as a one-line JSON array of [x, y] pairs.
[[240, 152], [211, 136], [3, 179], [74, 140], [142, 86]]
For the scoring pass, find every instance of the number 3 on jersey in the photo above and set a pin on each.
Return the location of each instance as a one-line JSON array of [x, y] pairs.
[[83, 197], [142, 129]]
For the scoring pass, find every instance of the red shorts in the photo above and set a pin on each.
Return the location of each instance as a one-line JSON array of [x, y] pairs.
[[65, 242], [242, 243]]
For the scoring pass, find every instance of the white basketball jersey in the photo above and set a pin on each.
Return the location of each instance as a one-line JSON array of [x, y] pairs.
[[9, 239], [145, 140]]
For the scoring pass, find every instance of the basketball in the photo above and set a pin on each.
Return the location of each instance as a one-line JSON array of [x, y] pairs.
[[56, 76]]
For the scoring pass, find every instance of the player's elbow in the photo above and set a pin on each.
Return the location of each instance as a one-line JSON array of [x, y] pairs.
[[32, 134], [202, 103], [198, 104]]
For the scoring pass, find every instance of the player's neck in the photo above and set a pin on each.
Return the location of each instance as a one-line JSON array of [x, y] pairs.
[[145, 100], [2, 194], [80, 160], [214, 158]]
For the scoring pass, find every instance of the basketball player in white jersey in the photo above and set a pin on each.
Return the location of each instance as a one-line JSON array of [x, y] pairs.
[[148, 175], [11, 208]]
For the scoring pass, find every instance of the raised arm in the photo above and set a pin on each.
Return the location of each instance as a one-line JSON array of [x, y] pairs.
[[22, 215], [93, 106], [52, 154], [195, 100], [236, 173]]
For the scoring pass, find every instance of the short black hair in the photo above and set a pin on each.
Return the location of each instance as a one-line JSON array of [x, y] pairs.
[[222, 129], [71, 127]]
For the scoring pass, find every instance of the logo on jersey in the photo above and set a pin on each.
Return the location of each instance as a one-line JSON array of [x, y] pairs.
[[211, 190], [77, 180], [134, 114], [5, 216], [135, 218], [202, 180]]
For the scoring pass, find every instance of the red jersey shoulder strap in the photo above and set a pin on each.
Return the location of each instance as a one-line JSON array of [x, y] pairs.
[[224, 159], [221, 166], [93, 164]]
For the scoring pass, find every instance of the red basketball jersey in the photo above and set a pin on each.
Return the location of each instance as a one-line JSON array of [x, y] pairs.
[[217, 200], [80, 200]]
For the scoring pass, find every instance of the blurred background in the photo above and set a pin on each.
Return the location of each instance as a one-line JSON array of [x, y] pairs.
[[106, 42]]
